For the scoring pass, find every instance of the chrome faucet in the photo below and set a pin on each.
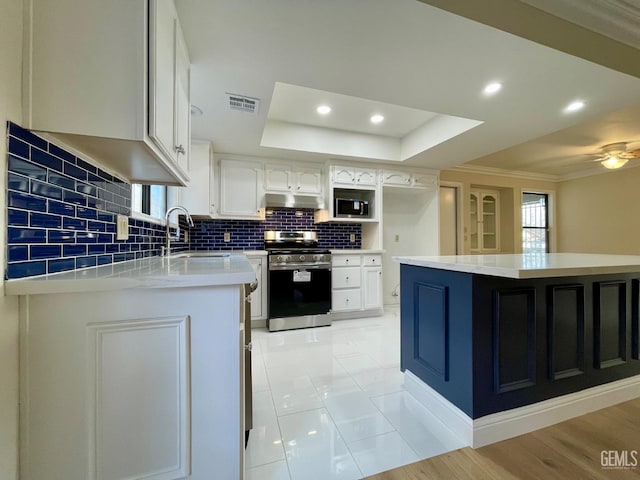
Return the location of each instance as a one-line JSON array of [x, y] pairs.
[[166, 250]]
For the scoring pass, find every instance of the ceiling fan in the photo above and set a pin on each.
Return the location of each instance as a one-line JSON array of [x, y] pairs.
[[615, 155]]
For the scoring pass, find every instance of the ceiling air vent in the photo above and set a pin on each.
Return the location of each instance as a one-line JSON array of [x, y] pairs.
[[242, 103]]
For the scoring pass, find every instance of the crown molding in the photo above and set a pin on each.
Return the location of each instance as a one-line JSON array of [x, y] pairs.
[[501, 172], [616, 19]]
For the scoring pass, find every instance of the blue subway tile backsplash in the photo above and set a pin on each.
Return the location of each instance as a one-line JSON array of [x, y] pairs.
[[61, 215]]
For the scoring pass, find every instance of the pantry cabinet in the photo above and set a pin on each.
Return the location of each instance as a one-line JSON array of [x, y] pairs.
[[111, 80], [241, 189], [484, 221]]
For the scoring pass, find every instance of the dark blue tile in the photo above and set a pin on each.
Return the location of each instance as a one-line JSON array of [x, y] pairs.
[[27, 136], [96, 249], [46, 190], [125, 247], [86, 237], [104, 176], [17, 253], [89, 213], [45, 251], [27, 202], [83, 262], [74, 224], [62, 180], [62, 208], [110, 227], [119, 257], [95, 203], [74, 250], [26, 235], [135, 247], [86, 189], [45, 220], [87, 166], [75, 172], [105, 259], [105, 238], [55, 266], [96, 227], [46, 159], [104, 195], [105, 217], [129, 256], [18, 182], [73, 197], [59, 152], [96, 180], [61, 236], [26, 269], [17, 217], [18, 147], [111, 247], [27, 168]]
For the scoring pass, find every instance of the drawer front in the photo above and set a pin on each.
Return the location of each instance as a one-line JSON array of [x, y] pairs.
[[345, 277], [343, 300], [372, 260], [345, 260]]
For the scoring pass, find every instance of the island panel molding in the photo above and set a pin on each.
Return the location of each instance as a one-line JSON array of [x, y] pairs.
[[609, 324], [565, 330], [431, 346], [514, 339], [635, 320], [517, 342]]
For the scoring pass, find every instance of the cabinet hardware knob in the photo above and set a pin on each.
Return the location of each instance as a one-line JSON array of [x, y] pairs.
[[180, 150], [249, 347]]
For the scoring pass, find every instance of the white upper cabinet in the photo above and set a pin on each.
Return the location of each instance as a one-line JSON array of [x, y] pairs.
[[111, 80], [285, 178], [199, 195], [353, 176], [407, 179], [241, 189]]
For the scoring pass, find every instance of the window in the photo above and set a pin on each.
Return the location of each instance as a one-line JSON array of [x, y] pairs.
[[149, 200], [535, 223]]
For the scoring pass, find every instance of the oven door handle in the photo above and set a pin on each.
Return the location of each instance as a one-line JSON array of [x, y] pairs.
[[300, 267]]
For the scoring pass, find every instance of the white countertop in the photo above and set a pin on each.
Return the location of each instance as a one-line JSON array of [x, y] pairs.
[[152, 272], [532, 265]]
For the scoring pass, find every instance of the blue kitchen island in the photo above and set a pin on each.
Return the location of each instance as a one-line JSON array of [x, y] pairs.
[[489, 340]]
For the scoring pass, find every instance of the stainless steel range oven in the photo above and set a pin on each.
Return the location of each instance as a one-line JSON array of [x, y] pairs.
[[299, 281]]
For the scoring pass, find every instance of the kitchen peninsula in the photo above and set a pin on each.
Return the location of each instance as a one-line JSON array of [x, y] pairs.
[[134, 369], [504, 344]]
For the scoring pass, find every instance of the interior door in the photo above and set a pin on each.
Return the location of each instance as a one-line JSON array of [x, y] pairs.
[[448, 221]]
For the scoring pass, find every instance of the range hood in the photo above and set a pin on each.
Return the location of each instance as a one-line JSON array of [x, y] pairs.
[[294, 201]]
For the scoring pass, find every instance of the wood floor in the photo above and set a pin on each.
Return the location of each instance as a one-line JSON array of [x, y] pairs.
[[566, 451]]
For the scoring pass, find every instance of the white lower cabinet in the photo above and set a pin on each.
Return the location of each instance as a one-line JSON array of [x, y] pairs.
[[356, 282], [136, 383]]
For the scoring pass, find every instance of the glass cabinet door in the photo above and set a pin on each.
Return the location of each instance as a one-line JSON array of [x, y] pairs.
[[473, 223], [489, 227]]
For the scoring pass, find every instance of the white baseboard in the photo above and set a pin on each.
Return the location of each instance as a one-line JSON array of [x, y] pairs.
[[511, 423]]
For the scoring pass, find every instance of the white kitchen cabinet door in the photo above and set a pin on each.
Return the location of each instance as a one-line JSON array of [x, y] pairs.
[[366, 176], [426, 181], [259, 296], [371, 287], [344, 175], [309, 180], [241, 189], [198, 197], [346, 300], [278, 178], [396, 178], [182, 122], [484, 221]]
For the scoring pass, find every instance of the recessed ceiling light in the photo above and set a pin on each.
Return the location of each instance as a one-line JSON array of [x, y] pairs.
[[493, 87], [323, 109], [574, 106], [377, 118]]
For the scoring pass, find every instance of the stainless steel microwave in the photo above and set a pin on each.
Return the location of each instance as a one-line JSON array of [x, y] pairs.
[[351, 207]]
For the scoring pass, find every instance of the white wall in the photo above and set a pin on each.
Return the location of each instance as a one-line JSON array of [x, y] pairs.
[[10, 109], [413, 217]]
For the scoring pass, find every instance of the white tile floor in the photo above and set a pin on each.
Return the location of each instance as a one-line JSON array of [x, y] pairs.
[[329, 404]]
